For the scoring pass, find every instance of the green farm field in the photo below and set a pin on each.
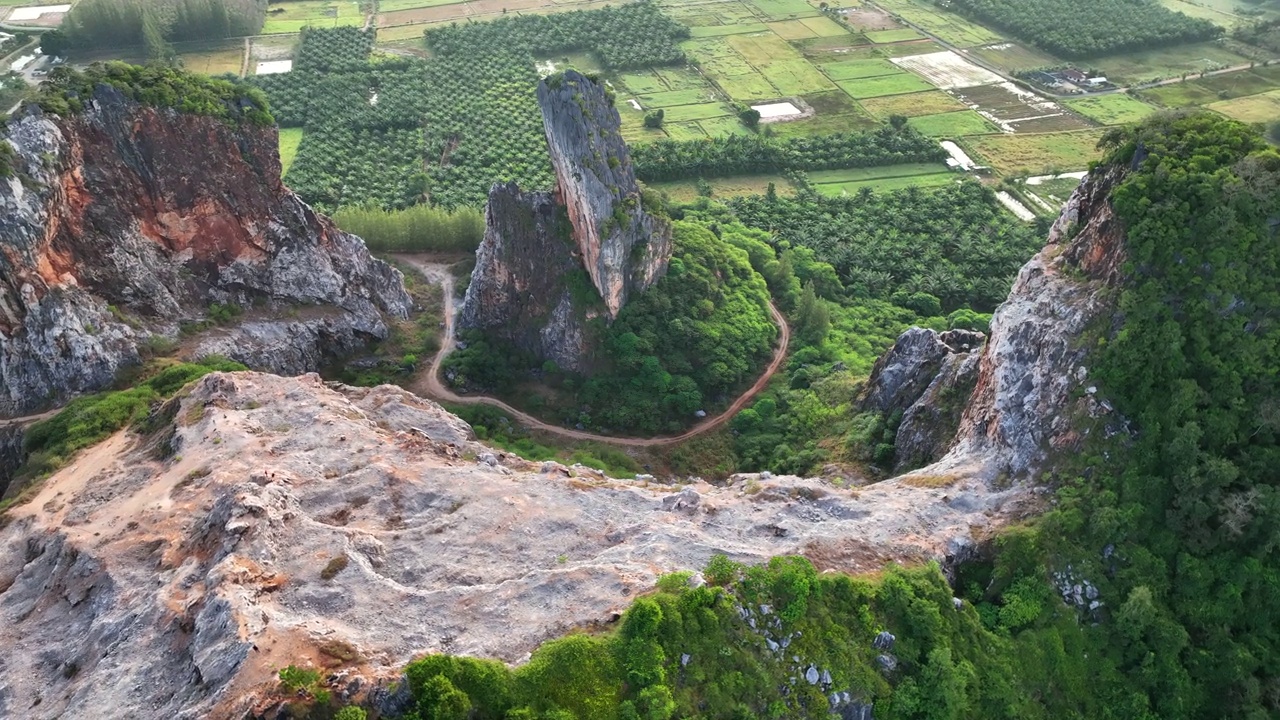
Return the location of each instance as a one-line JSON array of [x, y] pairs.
[[888, 183], [929, 102], [948, 26], [1115, 109], [1149, 65], [686, 191], [953, 124], [893, 36], [1014, 58], [824, 177], [311, 13], [1036, 154], [887, 85], [854, 69], [1252, 109]]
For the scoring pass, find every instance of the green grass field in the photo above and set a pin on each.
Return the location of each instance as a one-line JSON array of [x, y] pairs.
[[290, 139], [893, 36], [215, 62], [781, 64], [929, 102], [643, 83], [785, 9], [683, 131], [676, 97], [1185, 94], [1225, 19], [1149, 65], [312, 13], [686, 191], [722, 30], [1254, 108], [1042, 154], [854, 69], [953, 124], [1238, 84], [888, 183], [1012, 57], [822, 177], [948, 26], [887, 85], [723, 126], [825, 27], [1116, 109], [393, 5], [685, 113]]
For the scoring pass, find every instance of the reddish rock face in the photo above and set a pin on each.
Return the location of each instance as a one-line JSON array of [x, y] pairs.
[[156, 214]]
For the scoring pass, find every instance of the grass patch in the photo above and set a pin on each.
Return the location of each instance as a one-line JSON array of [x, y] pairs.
[[684, 131], [930, 102], [780, 64], [783, 9], [792, 30], [1255, 108], [1014, 58], [881, 86], [685, 113], [1183, 94], [1044, 154], [723, 126], [825, 27], [953, 124], [832, 103], [1237, 84], [854, 69], [893, 36], [888, 184], [291, 17], [676, 97], [930, 481], [645, 83], [215, 62], [949, 27], [824, 125], [722, 30], [821, 177], [86, 421], [290, 139], [1165, 63], [686, 191], [1112, 109], [748, 88]]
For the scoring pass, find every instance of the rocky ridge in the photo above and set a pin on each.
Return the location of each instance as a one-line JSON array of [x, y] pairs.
[[551, 261], [125, 222]]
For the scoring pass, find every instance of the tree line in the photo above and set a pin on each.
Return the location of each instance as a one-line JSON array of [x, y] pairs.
[[153, 24], [1089, 28]]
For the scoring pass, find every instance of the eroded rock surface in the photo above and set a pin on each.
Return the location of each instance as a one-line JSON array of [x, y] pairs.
[[1032, 397], [551, 261], [192, 579], [124, 220]]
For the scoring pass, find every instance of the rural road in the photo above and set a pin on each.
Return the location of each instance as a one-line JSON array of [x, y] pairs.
[[429, 383]]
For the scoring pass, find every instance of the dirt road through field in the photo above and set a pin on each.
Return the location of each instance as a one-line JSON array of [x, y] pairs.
[[429, 384]]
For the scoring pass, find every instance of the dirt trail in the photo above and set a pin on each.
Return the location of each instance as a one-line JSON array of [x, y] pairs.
[[429, 384]]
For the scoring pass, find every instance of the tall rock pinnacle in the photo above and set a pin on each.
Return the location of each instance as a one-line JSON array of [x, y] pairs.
[[542, 250]]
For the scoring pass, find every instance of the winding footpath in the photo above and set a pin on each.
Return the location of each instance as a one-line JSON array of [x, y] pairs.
[[429, 384]]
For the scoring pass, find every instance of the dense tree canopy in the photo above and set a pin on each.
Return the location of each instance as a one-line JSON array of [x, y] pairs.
[[66, 90], [1089, 28]]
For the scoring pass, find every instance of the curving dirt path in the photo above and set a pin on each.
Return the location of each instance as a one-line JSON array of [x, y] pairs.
[[429, 384]]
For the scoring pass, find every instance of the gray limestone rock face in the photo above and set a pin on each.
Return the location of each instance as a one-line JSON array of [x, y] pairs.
[[927, 376], [123, 221], [552, 261], [521, 289], [624, 248]]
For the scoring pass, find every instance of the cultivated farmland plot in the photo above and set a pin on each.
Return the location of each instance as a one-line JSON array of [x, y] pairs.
[[947, 70]]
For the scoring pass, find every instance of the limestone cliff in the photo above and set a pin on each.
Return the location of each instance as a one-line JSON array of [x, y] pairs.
[[1032, 396], [624, 248], [125, 221], [526, 287]]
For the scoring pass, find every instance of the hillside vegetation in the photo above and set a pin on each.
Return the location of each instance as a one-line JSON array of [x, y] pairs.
[[1171, 526]]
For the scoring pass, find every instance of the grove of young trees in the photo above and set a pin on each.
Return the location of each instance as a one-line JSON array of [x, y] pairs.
[[152, 23], [635, 35], [751, 154], [1089, 28]]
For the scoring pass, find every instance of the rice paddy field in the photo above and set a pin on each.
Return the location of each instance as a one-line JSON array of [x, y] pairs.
[[1036, 154], [291, 17], [1118, 109]]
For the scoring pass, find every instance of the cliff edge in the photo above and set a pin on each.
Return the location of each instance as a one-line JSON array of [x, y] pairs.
[[551, 261], [126, 222]]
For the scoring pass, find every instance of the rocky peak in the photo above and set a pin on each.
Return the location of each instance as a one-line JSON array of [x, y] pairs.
[[592, 233], [124, 220], [623, 248], [1032, 397]]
